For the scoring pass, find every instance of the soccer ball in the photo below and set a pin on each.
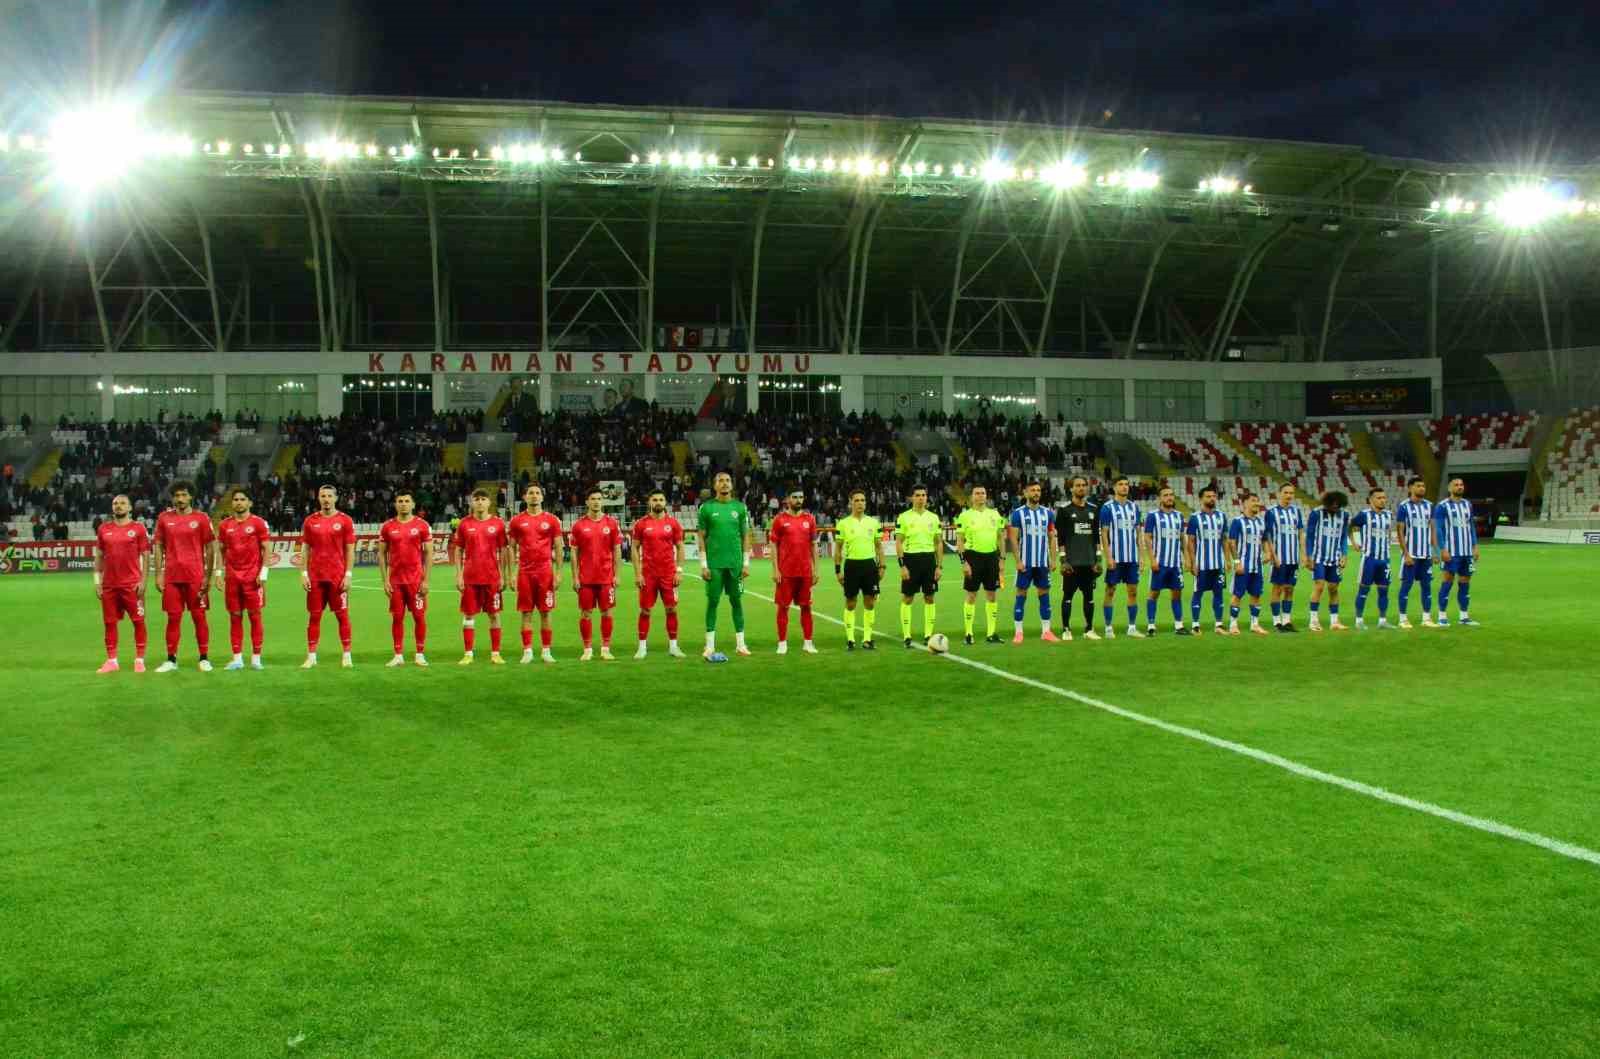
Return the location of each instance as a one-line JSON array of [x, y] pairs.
[[938, 643]]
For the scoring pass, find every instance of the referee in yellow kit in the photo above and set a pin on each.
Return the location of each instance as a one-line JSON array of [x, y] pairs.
[[920, 537]]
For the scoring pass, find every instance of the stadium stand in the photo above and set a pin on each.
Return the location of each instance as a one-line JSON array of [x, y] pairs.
[[1501, 430], [1316, 457], [1572, 470]]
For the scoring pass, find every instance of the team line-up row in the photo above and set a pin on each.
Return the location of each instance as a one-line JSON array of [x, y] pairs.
[[1260, 550]]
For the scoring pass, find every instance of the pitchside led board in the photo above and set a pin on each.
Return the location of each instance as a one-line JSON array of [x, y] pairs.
[[1367, 398]]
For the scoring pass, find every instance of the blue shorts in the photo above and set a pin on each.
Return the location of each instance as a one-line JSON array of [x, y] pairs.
[[1122, 574], [1284, 573], [1418, 570], [1033, 577], [1208, 581], [1166, 577], [1375, 572], [1332, 573], [1458, 566], [1247, 585]]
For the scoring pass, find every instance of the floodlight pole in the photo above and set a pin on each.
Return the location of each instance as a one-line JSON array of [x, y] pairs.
[[433, 246], [544, 267], [316, 269], [336, 329], [649, 336], [866, 257], [1333, 290]]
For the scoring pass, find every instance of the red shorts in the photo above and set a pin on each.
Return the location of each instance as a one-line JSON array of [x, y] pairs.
[[536, 591], [480, 599], [796, 590], [651, 587], [177, 598], [591, 596], [116, 602], [240, 595], [407, 598], [328, 594]]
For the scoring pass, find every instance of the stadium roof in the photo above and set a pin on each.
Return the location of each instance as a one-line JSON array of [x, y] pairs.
[[256, 221]]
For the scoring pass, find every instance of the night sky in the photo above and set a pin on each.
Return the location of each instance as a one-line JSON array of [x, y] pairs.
[[1505, 83]]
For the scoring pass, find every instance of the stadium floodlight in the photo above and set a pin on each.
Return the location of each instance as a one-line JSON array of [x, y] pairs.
[[224, 147], [866, 166], [1454, 204], [1141, 179], [675, 158], [754, 162], [634, 159], [920, 168], [905, 169], [436, 152], [372, 150], [559, 155], [408, 151], [811, 164], [828, 165], [577, 156], [5, 142], [1220, 185], [455, 153], [993, 171], [94, 145], [1064, 175], [938, 170], [495, 153], [655, 157], [1526, 206], [536, 154], [27, 141], [958, 170]]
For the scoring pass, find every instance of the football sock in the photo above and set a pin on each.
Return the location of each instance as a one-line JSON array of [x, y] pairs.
[[1194, 608], [111, 639], [991, 614], [202, 631], [236, 631], [1255, 613], [1444, 596], [1288, 608], [527, 638], [606, 625], [1018, 607], [313, 632], [1088, 612], [1133, 613], [711, 640], [1150, 611], [969, 614], [469, 634], [258, 631], [1233, 611], [397, 632], [419, 625], [1361, 601], [871, 620], [807, 623], [1316, 609], [713, 599], [1216, 605], [1277, 612], [1333, 611], [141, 637], [494, 638], [1107, 609], [1177, 610], [344, 629], [738, 639], [849, 625], [644, 625], [736, 601], [905, 621], [1044, 610], [928, 611], [546, 637], [586, 632], [1383, 602], [1461, 598], [174, 628], [783, 623], [672, 625]]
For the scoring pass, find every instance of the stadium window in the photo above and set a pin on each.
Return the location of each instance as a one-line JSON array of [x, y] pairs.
[[1084, 399], [152, 397], [46, 398], [1182, 400], [809, 395], [400, 398], [902, 395], [1012, 398], [273, 397]]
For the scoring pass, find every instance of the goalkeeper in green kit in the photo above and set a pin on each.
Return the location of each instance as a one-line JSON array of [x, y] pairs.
[[725, 536]]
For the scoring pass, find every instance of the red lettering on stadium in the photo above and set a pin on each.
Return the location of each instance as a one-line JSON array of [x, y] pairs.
[[563, 361], [627, 360], [598, 361], [500, 362], [533, 363], [655, 363], [715, 359], [741, 362], [436, 363], [685, 362], [469, 362], [375, 362], [408, 363], [771, 362], [802, 362]]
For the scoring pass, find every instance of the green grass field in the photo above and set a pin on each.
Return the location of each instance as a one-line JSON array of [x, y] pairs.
[[847, 854]]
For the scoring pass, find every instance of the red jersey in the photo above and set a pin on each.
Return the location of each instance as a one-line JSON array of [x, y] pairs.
[[122, 546], [241, 546], [410, 549], [183, 539], [326, 536], [481, 540], [794, 537], [535, 537], [656, 542], [593, 539]]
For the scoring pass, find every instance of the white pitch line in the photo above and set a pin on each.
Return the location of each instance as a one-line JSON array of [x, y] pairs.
[[1477, 823]]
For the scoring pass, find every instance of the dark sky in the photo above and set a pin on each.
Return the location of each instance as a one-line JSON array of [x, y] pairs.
[[1511, 82]]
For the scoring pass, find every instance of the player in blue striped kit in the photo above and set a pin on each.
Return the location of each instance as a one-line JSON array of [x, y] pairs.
[[1245, 534], [1119, 543], [1032, 534], [1457, 536], [1203, 546], [1163, 544], [1285, 525], [1327, 536], [1415, 522], [1372, 533]]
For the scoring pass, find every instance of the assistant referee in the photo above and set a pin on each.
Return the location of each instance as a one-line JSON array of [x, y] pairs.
[[1078, 529], [978, 531], [858, 567], [921, 539]]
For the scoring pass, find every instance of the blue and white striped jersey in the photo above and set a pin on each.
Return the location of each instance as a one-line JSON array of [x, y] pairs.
[[1458, 534], [1166, 532], [1120, 520], [1207, 528], [1416, 523], [1327, 535], [1246, 534], [1033, 525], [1377, 533], [1282, 526]]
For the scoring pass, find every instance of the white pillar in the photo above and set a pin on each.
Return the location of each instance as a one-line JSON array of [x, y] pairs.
[[441, 391], [948, 390], [852, 394], [1129, 400], [547, 394], [752, 392], [108, 397], [330, 394], [1040, 390], [1214, 401], [219, 392], [648, 394]]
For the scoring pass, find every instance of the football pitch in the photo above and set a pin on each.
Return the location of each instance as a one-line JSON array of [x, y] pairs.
[[886, 853]]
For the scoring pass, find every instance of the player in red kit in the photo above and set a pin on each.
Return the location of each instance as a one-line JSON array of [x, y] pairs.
[[597, 541], [657, 565], [538, 551], [183, 558], [793, 534], [121, 546], [405, 555], [325, 553], [241, 565], [478, 550]]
